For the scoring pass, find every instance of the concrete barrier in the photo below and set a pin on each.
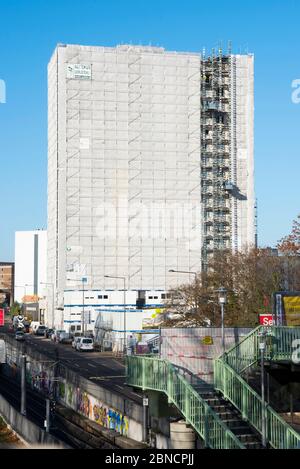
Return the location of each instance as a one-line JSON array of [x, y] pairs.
[[28, 430]]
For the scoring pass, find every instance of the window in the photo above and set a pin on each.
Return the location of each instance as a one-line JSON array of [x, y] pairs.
[[150, 297], [73, 328], [163, 296], [155, 297], [78, 328], [100, 297]]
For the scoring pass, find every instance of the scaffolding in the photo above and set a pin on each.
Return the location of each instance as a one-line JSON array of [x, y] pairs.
[[216, 168]]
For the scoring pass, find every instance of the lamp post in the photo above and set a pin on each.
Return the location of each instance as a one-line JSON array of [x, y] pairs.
[[124, 303], [52, 313], [191, 273], [262, 347], [222, 301]]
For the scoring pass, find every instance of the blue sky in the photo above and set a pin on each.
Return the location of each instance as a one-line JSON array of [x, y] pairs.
[[29, 31]]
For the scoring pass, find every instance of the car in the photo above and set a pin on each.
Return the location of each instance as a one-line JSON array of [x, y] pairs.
[[40, 331], [20, 335], [34, 326], [55, 335], [84, 344], [48, 333], [64, 338], [75, 340]]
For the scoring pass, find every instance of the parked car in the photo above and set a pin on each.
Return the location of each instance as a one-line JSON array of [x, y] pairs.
[[64, 338], [75, 340], [33, 326], [84, 344], [40, 331], [48, 333], [56, 334], [20, 335]]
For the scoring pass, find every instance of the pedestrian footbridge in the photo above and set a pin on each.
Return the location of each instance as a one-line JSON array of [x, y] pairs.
[[227, 415]]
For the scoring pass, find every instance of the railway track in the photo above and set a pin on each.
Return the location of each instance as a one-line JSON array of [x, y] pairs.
[[63, 429]]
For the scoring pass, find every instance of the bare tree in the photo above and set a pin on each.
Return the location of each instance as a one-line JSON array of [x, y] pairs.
[[250, 277], [290, 244]]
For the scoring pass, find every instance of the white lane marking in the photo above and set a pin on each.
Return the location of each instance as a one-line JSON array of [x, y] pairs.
[[118, 363], [90, 364]]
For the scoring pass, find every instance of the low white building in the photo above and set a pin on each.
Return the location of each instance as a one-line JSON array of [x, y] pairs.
[[30, 264], [104, 310]]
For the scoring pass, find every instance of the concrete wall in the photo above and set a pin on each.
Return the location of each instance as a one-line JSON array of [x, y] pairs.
[[101, 405], [30, 432]]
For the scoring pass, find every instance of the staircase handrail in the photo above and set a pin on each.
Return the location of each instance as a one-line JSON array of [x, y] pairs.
[[160, 375], [227, 379]]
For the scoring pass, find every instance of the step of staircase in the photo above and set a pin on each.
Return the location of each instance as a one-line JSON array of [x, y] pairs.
[[232, 419]]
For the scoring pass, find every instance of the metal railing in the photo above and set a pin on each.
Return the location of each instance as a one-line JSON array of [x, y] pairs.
[[160, 375], [279, 346], [228, 380], [280, 434]]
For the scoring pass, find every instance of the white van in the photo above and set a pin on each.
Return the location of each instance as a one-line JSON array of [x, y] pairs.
[[84, 344]]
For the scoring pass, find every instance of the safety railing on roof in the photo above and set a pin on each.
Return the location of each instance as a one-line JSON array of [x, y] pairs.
[[160, 375], [228, 380]]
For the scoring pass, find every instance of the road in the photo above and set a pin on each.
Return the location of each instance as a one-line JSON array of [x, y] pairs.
[[101, 368]]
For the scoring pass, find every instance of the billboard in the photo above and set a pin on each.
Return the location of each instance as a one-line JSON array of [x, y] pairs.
[[1, 317], [287, 308], [292, 310]]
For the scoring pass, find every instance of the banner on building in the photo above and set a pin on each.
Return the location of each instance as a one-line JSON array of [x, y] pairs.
[[79, 72]]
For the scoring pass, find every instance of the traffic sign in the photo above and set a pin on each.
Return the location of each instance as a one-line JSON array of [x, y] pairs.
[[1, 317], [208, 340], [266, 319]]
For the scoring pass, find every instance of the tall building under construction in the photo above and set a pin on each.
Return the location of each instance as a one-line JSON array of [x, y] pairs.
[[150, 164]]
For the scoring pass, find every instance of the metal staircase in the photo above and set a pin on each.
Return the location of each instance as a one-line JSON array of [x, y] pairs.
[[230, 414], [228, 370]]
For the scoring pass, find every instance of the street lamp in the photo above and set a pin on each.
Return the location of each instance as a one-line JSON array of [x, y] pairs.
[[183, 272], [124, 302], [262, 347], [222, 292], [187, 272], [52, 286]]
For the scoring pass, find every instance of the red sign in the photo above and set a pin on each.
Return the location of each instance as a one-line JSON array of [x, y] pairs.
[[266, 319], [1, 317]]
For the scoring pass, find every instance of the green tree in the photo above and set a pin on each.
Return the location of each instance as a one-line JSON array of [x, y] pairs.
[[15, 309]]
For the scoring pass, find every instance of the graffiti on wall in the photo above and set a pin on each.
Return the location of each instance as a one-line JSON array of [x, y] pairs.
[[41, 377], [94, 409]]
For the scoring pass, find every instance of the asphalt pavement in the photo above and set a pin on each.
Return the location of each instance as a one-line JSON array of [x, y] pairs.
[[102, 368]]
